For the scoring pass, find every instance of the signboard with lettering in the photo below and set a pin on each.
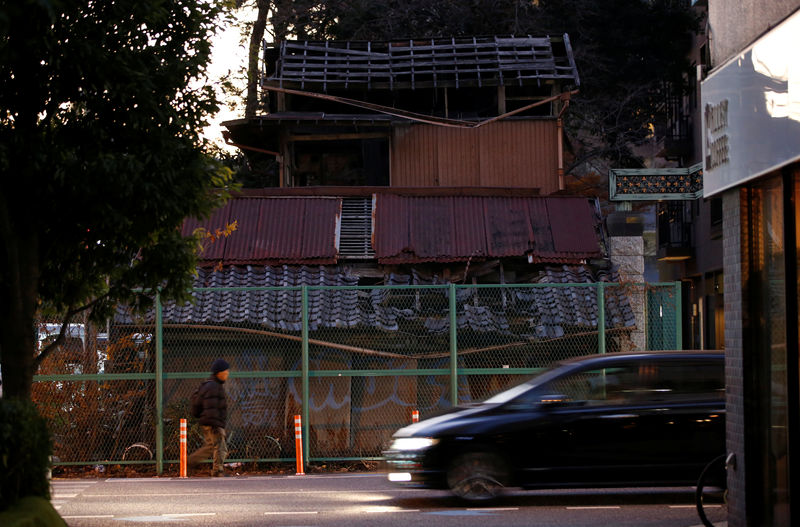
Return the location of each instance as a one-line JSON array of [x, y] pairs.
[[751, 111]]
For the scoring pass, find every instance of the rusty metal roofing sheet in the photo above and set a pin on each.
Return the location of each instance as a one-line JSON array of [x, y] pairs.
[[409, 228], [273, 230], [555, 229]]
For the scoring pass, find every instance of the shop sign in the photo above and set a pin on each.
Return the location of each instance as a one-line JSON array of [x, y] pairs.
[[751, 110]]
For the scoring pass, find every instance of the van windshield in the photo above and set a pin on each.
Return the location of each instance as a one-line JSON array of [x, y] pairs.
[[516, 391]]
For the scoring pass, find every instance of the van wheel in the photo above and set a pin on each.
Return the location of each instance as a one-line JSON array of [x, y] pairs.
[[477, 476]]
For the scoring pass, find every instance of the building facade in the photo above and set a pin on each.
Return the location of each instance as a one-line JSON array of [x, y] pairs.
[[751, 152]]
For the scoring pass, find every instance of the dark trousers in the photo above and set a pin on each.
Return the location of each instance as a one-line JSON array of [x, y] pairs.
[[214, 447]]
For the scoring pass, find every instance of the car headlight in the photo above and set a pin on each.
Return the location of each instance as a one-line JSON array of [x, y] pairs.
[[413, 443]]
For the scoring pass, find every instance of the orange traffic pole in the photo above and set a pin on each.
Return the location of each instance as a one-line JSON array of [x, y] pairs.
[[184, 468], [298, 444], [414, 416]]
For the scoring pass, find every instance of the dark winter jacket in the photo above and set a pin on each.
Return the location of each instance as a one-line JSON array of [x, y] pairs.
[[215, 405]]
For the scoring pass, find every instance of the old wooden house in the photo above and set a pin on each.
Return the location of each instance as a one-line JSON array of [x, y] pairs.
[[455, 112], [403, 163]]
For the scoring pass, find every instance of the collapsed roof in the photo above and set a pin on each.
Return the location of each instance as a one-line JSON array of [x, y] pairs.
[[422, 63], [269, 297]]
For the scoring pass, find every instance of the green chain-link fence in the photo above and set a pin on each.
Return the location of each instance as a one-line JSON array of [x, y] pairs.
[[353, 361]]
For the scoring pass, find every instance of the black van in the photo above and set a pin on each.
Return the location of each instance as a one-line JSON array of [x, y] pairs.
[[621, 419]]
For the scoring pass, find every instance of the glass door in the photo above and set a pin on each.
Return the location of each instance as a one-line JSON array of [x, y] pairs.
[[767, 342]]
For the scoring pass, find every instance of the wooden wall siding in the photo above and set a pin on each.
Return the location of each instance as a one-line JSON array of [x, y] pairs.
[[504, 154]]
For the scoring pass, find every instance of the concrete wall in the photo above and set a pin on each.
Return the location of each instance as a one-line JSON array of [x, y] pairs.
[[627, 253]]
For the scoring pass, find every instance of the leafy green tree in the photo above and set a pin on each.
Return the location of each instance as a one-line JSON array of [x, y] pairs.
[[101, 108]]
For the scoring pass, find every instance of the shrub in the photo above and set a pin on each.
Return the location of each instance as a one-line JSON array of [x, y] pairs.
[[25, 450]]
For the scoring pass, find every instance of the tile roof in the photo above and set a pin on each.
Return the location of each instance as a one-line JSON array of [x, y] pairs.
[[261, 298]]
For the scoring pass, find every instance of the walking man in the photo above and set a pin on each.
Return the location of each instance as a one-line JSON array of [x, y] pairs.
[[212, 420]]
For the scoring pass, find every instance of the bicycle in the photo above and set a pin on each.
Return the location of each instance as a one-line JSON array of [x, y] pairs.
[[711, 494]]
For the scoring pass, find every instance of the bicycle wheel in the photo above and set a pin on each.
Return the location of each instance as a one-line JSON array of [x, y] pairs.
[[711, 494]]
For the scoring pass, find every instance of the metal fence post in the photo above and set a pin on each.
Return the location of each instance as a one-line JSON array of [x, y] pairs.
[[678, 316], [306, 421], [646, 316], [159, 388], [601, 317], [453, 346]]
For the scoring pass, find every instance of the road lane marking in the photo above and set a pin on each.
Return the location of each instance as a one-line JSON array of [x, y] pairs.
[[145, 519], [63, 491], [692, 506], [461, 512], [128, 480], [591, 507], [252, 492], [85, 516], [188, 514]]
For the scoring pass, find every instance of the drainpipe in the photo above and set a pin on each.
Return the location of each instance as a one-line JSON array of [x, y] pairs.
[[560, 132], [560, 170]]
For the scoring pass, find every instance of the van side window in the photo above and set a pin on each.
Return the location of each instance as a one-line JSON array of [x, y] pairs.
[[613, 385], [673, 381], [596, 387], [636, 382]]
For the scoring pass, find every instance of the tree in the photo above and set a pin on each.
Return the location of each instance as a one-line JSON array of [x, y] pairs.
[[629, 54], [102, 159], [626, 52], [280, 19]]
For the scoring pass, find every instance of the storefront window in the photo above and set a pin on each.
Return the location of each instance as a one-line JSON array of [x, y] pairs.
[[767, 313]]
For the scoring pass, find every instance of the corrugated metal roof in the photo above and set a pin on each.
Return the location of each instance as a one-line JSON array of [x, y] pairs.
[[273, 230], [408, 229], [552, 229]]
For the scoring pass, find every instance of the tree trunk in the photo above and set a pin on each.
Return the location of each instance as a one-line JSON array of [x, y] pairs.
[[18, 290], [20, 216], [253, 76]]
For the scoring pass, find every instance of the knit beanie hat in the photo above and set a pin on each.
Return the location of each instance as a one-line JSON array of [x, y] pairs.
[[219, 365]]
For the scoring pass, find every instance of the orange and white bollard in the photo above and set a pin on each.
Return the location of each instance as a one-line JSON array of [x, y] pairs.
[[414, 416], [184, 468], [298, 444]]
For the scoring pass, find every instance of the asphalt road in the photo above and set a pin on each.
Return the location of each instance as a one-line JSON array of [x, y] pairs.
[[353, 500]]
